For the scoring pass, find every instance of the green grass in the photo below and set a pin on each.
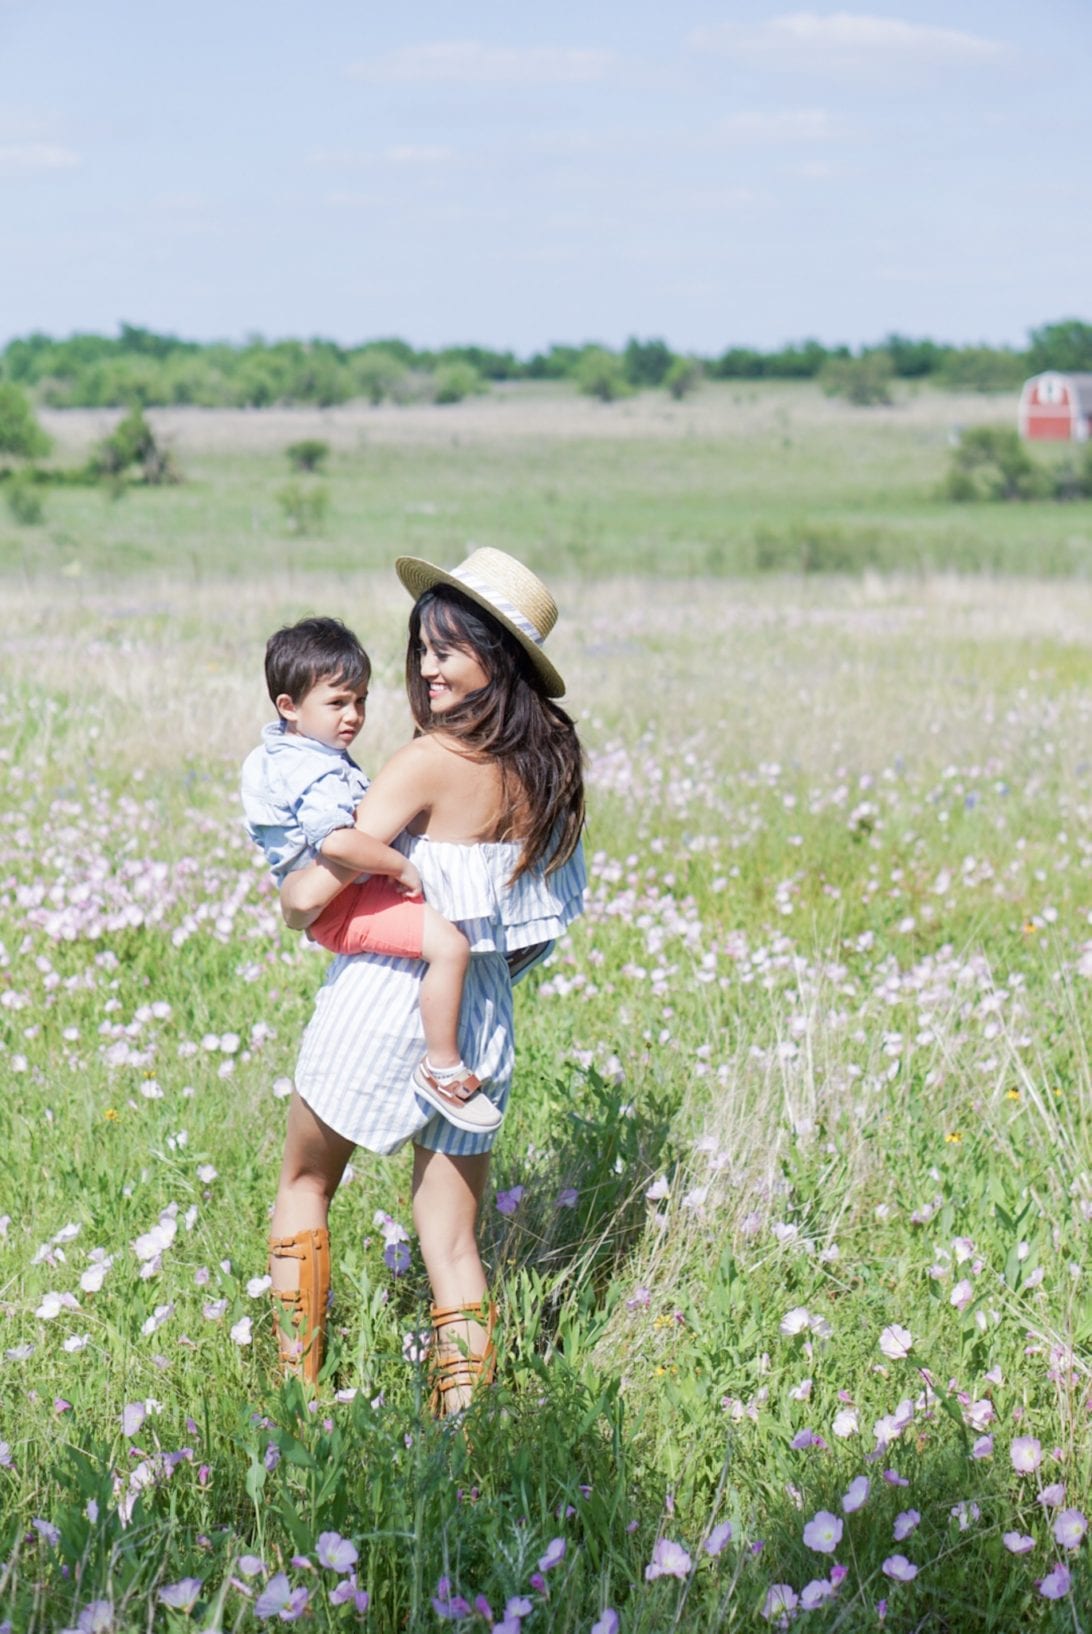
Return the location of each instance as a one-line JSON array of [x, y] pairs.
[[741, 479], [819, 1045]]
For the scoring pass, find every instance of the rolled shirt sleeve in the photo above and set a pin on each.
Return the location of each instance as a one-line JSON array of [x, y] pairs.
[[325, 804]]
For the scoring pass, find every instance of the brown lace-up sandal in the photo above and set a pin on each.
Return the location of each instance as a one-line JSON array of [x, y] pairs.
[[453, 1365], [300, 1313]]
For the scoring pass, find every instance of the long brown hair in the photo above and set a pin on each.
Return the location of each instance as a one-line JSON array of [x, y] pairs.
[[509, 721]]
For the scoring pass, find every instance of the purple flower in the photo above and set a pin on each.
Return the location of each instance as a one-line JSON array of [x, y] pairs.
[[781, 1602], [1026, 1454], [905, 1524], [555, 1554], [96, 1618], [1053, 1496], [182, 1595], [1017, 1543], [567, 1198], [607, 1623], [899, 1569], [807, 1438], [823, 1532], [1069, 1528], [334, 1552], [856, 1495], [669, 1559], [717, 1538], [272, 1456], [1055, 1585], [279, 1599], [396, 1257], [447, 1605], [509, 1201], [47, 1530], [815, 1592], [983, 1447], [893, 1478], [132, 1417], [250, 1565]]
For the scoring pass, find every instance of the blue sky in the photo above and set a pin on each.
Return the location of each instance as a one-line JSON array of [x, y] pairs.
[[715, 174]]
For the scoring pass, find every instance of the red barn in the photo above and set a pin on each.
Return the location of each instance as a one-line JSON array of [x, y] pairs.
[[1057, 407]]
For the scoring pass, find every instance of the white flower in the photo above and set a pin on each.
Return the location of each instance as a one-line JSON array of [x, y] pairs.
[[846, 1422], [240, 1331], [258, 1285], [896, 1342], [795, 1321], [77, 1341]]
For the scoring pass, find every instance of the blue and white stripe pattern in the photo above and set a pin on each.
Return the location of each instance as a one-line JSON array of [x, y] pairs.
[[365, 1039]]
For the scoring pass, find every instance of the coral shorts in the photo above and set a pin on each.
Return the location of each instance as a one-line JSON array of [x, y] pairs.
[[372, 917]]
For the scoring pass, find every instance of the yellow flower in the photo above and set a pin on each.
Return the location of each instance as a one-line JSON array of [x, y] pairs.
[[663, 1322], [1012, 1094], [1029, 928], [954, 1138], [111, 1114]]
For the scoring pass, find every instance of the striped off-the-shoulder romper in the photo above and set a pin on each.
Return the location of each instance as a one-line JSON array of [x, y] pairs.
[[364, 1039]]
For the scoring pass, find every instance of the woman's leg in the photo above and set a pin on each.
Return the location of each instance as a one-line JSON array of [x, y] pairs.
[[447, 1192], [314, 1161]]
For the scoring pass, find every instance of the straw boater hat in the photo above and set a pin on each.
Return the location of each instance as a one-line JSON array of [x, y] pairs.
[[514, 596]]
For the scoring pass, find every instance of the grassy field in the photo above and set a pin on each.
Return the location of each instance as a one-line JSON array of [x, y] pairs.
[[741, 478], [790, 1217]]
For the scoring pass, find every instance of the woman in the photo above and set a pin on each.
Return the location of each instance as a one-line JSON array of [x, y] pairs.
[[488, 801]]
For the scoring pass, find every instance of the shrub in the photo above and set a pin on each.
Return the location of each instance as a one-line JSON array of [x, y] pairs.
[[980, 368], [24, 500], [20, 433], [600, 374], [991, 462], [133, 443], [683, 377], [865, 380], [308, 454], [304, 507], [454, 381]]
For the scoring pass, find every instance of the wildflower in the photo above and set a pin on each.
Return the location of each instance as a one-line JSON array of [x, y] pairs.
[[961, 1295], [658, 1190], [96, 1618], [1069, 1528], [905, 1524], [1053, 1496], [781, 1601], [717, 1538], [807, 1438], [47, 1530], [607, 1623], [566, 1198], [815, 1592], [396, 1257], [893, 1478], [1055, 1585], [899, 1569], [1017, 1543], [953, 1137], [447, 1605], [132, 1417], [823, 1532], [240, 1331], [795, 1321], [334, 1552], [279, 1599], [180, 1596], [509, 1201], [964, 1513], [983, 1447], [855, 1495], [555, 1554], [258, 1285], [1026, 1454], [846, 1422], [250, 1565], [668, 1560], [896, 1342]]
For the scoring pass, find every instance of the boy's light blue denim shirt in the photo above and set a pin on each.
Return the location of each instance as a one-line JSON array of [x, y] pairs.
[[296, 791]]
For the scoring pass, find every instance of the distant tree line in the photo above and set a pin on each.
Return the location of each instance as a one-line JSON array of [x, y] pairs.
[[140, 368]]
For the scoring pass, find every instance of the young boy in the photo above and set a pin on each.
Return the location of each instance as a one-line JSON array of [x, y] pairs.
[[301, 790]]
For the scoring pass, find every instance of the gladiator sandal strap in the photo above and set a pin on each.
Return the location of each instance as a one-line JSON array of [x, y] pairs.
[[462, 1368], [300, 1312]]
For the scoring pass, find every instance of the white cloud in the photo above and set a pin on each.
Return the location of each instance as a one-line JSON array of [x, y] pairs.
[[28, 158], [469, 62], [849, 40], [783, 125]]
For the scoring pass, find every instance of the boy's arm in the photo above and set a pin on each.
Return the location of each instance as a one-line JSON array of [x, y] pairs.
[[306, 891], [364, 854]]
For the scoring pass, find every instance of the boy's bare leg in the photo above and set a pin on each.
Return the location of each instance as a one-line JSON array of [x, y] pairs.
[[447, 953]]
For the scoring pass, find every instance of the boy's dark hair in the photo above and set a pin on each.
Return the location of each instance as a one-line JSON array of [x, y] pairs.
[[298, 656]]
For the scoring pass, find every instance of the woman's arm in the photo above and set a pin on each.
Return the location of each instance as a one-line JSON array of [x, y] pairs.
[[306, 891], [403, 791]]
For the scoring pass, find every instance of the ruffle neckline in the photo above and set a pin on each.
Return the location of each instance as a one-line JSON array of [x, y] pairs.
[[469, 884]]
